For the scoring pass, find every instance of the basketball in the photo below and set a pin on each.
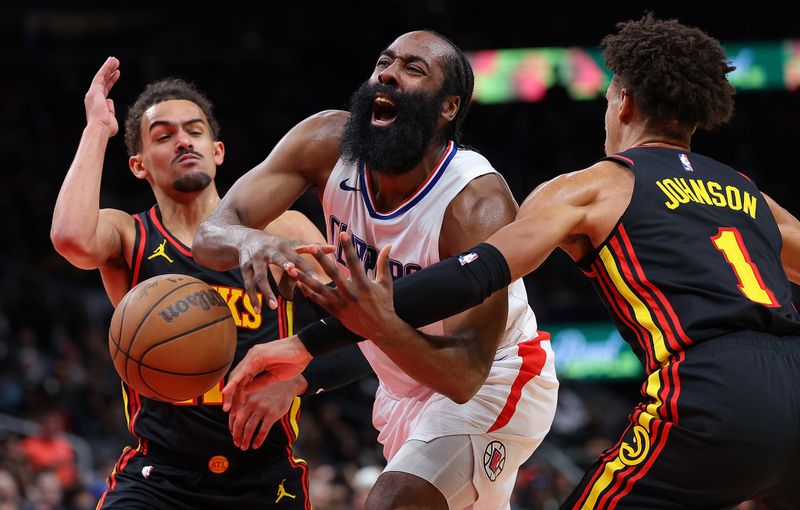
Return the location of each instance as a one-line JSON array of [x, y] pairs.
[[172, 338]]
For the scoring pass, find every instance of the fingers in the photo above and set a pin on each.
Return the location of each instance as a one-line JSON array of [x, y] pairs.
[[262, 433], [112, 79], [322, 295], [382, 272], [109, 67], [354, 264], [310, 249], [242, 374], [255, 273], [332, 270], [251, 424]]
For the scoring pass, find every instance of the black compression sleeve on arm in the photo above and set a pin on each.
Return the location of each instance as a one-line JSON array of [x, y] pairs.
[[439, 291], [336, 369]]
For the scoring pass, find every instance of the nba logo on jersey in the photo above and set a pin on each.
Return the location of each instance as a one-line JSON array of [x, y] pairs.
[[467, 258], [685, 162]]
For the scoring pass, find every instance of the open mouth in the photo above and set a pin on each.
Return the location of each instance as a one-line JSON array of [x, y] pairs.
[[384, 111]]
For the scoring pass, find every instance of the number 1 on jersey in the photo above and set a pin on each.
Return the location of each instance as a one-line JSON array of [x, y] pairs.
[[729, 241]]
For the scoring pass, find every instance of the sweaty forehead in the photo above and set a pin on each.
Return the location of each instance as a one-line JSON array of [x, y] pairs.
[[421, 44]]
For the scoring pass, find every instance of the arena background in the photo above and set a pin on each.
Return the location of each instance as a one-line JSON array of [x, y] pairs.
[[266, 67]]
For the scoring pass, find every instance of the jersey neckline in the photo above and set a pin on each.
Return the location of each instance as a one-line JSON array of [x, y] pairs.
[[414, 198], [155, 216]]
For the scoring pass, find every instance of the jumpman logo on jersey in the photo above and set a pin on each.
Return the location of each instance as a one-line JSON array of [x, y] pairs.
[[159, 252], [282, 492]]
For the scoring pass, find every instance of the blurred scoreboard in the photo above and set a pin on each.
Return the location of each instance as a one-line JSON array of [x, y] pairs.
[[527, 74]]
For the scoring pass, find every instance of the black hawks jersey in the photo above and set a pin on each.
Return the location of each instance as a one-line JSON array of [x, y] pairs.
[[199, 427], [696, 254]]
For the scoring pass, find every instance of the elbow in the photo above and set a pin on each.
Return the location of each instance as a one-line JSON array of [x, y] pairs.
[[64, 242], [466, 388], [463, 393], [461, 396], [71, 248]]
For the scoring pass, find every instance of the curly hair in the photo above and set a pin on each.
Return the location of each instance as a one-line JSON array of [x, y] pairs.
[[674, 72], [158, 92]]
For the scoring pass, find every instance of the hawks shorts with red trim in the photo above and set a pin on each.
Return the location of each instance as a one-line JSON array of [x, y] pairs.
[[720, 424], [144, 480]]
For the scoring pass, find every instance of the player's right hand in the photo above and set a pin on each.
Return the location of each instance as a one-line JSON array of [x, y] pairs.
[[99, 108], [263, 365], [257, 251]]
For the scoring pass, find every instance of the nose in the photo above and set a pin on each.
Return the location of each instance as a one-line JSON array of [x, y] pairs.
[[388, 75], [184, 141]]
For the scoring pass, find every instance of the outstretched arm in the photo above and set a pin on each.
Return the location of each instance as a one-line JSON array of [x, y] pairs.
[[790, 234], [232, 235], [575, 212], [88, 237]]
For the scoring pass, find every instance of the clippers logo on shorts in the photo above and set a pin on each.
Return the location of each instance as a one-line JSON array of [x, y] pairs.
[[494, 459], [218, 464], [632, 455]]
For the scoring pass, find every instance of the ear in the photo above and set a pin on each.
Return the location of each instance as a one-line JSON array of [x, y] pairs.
[[627, 106], [137, 166], [450, 107], [219, 153]]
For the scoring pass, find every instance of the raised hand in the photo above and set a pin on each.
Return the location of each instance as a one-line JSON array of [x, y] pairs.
[[263, 366], [99, 108], [364, 306], [258, 410]]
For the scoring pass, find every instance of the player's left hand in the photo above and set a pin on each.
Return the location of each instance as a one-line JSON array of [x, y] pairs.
[[263, 366], [260, 409], [365, 307]]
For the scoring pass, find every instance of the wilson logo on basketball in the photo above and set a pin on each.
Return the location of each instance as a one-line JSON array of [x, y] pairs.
[[204, 299]]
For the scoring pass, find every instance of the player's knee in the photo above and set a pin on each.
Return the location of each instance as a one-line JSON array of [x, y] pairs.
[[394, 490]]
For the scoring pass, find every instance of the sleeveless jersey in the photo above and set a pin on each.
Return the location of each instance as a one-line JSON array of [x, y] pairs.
[[200, 427], [413, 230], [696, 255]]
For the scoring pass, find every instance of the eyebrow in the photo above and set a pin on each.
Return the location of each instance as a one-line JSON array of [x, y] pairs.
[[157, 123]]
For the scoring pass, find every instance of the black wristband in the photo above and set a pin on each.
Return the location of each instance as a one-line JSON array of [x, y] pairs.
[[439, 291], [336, 369]]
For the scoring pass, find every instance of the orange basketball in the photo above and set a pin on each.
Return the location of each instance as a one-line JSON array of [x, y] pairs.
[[172, 337]]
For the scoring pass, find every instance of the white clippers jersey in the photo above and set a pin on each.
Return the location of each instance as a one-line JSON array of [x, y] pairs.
[[413, 230]]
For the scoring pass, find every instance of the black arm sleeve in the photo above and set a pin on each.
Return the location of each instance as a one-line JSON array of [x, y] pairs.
[[439, 291], [336, 369]]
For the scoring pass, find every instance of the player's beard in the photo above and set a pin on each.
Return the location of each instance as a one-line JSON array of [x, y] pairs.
[[191, 183], [398, 147]]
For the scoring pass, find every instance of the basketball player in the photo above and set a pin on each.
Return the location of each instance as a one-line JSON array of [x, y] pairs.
[[693, 263], [455, 425], [186, 457]]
